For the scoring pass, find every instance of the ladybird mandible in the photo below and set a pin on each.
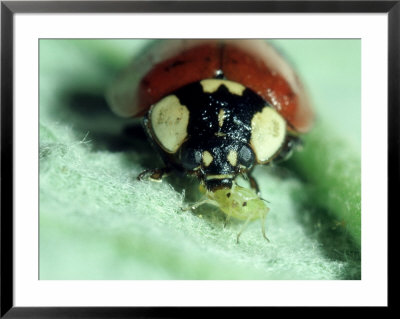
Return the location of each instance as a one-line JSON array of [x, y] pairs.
[[214, 109]]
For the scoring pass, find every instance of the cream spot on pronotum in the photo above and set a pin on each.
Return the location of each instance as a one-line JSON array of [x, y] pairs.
[[268, 134], [232, 157], [221, 117], [207, 158], [169, 120], [220, 134], [212, 85]]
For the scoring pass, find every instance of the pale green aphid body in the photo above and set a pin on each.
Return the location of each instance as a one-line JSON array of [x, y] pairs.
[[238, 202]]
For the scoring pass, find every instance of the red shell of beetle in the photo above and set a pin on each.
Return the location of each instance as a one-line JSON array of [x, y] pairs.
[[171, 64]]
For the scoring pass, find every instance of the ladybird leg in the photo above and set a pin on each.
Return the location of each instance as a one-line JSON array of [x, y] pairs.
[[154, 174], [291, 143], [254, 185]]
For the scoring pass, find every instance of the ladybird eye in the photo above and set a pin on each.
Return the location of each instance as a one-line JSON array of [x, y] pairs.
[[190, 158], [246, 156]]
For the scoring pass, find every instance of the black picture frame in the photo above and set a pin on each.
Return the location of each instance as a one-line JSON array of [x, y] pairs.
[[9, 8]]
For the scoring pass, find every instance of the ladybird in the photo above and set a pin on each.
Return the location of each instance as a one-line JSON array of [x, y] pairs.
[[214, 109]]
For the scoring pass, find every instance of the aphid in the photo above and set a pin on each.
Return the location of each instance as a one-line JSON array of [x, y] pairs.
[[237, 202], [213, 109]]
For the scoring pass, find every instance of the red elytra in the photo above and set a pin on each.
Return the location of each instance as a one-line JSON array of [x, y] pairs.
[[171, 64]]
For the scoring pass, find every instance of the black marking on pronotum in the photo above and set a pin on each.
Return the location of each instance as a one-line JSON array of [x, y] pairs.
[[204, 110]]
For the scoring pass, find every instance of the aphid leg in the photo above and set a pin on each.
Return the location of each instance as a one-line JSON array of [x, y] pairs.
[[228, 217], [201, 202], [242, 229], [262, 219], [154, 174]]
